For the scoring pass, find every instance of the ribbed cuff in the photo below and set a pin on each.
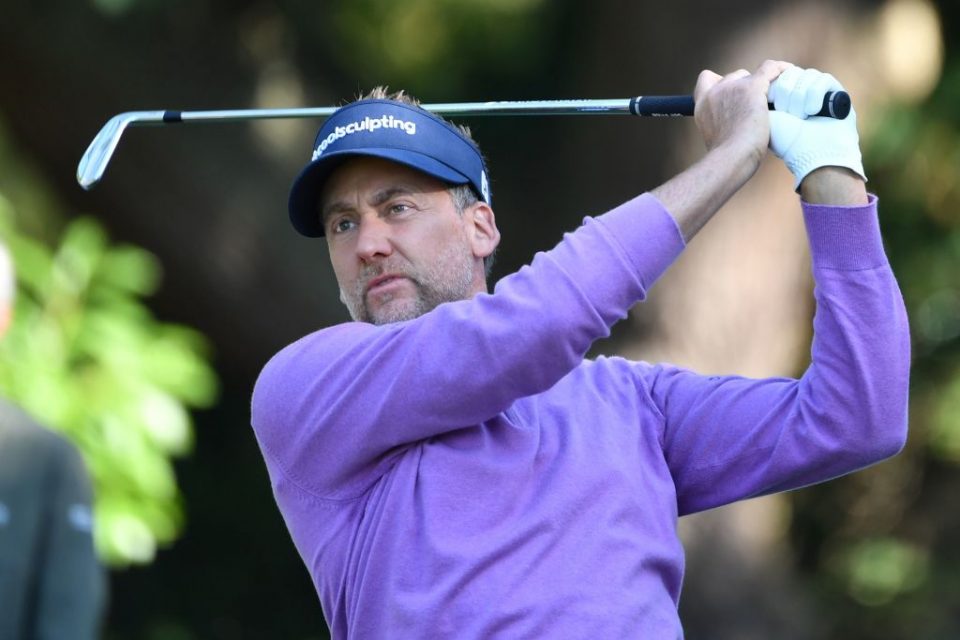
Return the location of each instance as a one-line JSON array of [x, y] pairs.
[[648, 235], [844, 238]]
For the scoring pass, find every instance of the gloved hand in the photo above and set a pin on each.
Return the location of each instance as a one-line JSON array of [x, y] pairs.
[[807, 142]]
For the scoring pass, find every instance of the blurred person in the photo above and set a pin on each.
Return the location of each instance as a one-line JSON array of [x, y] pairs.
[[450, 465], [52, 586]]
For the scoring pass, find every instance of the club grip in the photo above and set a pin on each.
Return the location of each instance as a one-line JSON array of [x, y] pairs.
[[836, 104], [662, 106]]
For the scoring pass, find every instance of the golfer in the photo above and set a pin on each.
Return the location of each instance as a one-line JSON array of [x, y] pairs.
[[449, 464]]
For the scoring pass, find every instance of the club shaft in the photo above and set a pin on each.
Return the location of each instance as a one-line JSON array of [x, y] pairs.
[[505, 108], [94, 161], [655, 106]]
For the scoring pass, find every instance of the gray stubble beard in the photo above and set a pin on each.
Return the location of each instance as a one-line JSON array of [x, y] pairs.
[[448, 279]]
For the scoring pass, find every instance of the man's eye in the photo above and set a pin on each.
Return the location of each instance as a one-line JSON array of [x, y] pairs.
[[399, 207], [341, 225]]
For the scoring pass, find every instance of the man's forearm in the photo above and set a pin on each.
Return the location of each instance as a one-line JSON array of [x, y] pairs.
[[693, 196], [836, 186]]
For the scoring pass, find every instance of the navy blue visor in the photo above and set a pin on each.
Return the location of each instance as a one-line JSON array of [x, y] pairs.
[[391, 130]]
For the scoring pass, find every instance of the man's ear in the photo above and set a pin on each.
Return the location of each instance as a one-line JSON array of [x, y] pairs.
[[482, 229]]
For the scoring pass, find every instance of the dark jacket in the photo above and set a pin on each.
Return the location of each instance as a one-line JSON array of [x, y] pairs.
[[51, 584]]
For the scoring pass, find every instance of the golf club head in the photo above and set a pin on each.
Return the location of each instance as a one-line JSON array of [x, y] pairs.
[[97, 156]]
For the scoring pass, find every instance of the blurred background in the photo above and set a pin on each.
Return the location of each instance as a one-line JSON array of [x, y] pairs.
[[148, 305]]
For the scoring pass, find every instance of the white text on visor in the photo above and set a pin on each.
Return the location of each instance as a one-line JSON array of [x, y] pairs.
[[367, 124]]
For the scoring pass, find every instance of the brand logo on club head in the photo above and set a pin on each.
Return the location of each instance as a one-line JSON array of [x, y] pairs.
[[368, 124]]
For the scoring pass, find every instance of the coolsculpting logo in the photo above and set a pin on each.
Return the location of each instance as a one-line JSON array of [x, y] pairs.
[[367, 124]]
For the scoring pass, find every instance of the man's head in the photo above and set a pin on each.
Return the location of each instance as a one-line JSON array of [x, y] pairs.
[[8, 287], [403, 199]]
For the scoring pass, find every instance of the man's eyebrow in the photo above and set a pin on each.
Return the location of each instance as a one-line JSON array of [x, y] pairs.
[[379, 197], [390, 192], [338, 206]]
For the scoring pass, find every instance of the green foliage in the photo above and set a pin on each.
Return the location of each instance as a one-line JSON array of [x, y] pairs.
[[878, 570], [945, 422], [86, 357], [436, 45]]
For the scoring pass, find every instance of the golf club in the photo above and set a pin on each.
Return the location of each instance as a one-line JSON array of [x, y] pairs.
[[97, 156]]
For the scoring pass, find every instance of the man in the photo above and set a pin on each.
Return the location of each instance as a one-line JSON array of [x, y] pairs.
[[51, 584], [450, 466]]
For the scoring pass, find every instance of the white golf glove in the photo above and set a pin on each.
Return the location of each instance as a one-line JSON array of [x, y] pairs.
[[806, 142]]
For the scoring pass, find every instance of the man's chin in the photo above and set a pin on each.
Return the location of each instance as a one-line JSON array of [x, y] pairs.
[[395, 310]]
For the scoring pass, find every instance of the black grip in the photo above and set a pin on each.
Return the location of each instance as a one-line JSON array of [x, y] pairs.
[[836, 104], [662, 106]]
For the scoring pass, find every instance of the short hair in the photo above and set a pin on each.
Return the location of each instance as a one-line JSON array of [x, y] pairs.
[[463, 195], [8, 281], [401, 96]]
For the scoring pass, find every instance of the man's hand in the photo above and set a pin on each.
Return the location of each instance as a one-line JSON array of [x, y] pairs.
[[732, 112], [733, 117], [806, 142]]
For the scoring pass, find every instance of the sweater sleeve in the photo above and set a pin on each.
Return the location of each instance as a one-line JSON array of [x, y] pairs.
[[727, 438], [329, 410]]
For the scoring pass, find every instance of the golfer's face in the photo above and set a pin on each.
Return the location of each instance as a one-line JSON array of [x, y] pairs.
[[397, 244]]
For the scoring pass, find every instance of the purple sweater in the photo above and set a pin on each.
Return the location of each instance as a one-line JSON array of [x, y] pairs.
[[468, 474]]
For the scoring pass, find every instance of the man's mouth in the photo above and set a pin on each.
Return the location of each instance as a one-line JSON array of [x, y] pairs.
[[384, 283]]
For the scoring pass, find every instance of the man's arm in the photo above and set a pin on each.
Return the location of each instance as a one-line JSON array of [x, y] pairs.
[[834, 186], [733, 116], [727, 438], [330, 410]]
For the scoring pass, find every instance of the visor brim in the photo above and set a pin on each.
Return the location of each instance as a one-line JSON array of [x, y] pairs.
[[304, 203]]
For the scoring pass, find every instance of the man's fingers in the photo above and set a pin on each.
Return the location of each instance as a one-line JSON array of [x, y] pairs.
[[770, 70], [823, 84], [798, 94], [705, 81], [781, 89], [766, 73], [736, 75]]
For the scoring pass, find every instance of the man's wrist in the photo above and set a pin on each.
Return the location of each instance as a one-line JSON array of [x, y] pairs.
[[738, 157], [837, 186], [693, 196]]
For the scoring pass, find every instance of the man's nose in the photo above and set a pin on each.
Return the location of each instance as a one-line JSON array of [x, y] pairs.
[[374, 238]]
